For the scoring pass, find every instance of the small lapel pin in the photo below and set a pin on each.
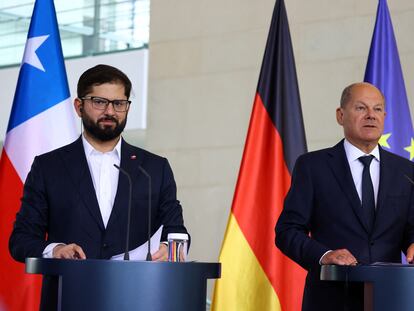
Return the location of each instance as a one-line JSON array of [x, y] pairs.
[[133, 157]]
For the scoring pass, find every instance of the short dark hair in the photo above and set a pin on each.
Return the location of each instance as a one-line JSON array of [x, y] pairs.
[[101, 74], [347, 93]]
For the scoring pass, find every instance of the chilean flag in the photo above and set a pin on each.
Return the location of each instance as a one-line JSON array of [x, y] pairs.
[[41, 120], [255, 274]]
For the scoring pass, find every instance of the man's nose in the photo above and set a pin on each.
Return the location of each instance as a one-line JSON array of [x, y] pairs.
[[370, 114], [110, 109]]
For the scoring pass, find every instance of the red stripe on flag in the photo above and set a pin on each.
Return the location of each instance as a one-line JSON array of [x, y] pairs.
[[263, 183], [18, 291]]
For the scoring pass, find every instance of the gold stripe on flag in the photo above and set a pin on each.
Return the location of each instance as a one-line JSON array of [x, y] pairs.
[[240, 269]]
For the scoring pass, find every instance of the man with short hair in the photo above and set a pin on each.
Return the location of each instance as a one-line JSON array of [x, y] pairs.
[[349, 204], [75, 202]]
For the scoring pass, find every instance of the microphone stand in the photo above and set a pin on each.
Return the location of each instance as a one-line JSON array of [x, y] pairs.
[[149, 257], [126, 255]]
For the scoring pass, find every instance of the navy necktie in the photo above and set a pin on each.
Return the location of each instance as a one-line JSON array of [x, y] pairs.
[[368, 199]]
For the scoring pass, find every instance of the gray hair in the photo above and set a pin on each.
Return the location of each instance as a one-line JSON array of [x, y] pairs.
[[347, 93]]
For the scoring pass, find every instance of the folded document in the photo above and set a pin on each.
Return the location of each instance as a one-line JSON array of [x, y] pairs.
[[140, 253]]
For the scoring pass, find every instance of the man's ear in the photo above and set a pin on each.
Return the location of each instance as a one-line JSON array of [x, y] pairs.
[[78, 105], [339, 115]]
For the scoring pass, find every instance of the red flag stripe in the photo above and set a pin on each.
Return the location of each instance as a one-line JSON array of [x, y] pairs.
[[20, 291], [262, 186]]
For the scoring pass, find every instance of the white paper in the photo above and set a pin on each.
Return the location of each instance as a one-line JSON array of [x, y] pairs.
[[140, 253]]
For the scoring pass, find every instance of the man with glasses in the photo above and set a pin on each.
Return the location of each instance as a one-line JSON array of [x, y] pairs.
[[75, 202]]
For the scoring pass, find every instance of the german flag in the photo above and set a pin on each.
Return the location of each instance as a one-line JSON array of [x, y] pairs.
[[255, 274]]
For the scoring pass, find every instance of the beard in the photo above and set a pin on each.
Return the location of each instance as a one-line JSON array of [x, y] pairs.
[[106, 133]]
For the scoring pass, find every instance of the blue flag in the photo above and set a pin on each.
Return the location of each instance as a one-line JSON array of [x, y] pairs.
[[384, 71]]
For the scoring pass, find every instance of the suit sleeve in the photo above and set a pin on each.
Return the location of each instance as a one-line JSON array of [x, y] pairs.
[[29, 230], [171, 212], [409, 227], [293, 227]]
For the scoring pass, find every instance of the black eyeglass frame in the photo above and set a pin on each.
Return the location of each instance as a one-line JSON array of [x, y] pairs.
[[107, 102]]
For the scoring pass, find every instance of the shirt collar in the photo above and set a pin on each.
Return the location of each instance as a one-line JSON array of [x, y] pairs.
[[89, 149], [353, 153]]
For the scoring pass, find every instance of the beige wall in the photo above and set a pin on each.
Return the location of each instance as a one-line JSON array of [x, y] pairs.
[[205, 57]]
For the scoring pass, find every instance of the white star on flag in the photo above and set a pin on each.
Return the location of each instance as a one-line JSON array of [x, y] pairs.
[[30, 56]]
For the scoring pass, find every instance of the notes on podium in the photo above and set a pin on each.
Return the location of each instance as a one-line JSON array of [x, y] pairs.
[[140, 253]]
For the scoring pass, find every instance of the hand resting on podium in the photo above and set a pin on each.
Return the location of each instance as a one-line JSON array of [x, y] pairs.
[[343, 257], [74, 251], [70, 251]]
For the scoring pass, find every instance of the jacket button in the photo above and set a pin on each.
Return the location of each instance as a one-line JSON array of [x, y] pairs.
[[371, 243], [104, 245]]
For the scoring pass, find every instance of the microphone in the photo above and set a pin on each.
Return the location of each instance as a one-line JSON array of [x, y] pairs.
[[126, 254], [149, 257], [409, 179]]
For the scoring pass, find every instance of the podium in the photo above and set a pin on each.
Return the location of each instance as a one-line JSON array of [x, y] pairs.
[[107, 285], [386, 286]]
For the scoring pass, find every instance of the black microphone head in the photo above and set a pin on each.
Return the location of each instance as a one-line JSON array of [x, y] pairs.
[[409, 179], [144, 172]]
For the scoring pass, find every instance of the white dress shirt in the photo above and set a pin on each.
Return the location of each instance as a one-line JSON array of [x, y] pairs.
[[104, 175], [105, 181], [352, 154]]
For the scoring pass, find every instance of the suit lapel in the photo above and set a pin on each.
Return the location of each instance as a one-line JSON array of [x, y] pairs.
[[386, 182], [340, 167], [77, 165], [131, 159]]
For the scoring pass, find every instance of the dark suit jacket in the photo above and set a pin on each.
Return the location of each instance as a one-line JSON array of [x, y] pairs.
[[59, 204], [322, 212]]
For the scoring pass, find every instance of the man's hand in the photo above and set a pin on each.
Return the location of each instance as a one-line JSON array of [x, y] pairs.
[[161, 254], [70, 251], [410, 253], [340, 257]]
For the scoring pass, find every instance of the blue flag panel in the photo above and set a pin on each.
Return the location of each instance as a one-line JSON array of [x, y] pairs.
[[42, 79], [384, 71]]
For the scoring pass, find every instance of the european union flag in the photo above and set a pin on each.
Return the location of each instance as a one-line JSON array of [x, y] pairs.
[[384, 71]]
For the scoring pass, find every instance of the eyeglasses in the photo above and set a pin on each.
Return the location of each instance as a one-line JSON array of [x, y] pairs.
[[100, 103]]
